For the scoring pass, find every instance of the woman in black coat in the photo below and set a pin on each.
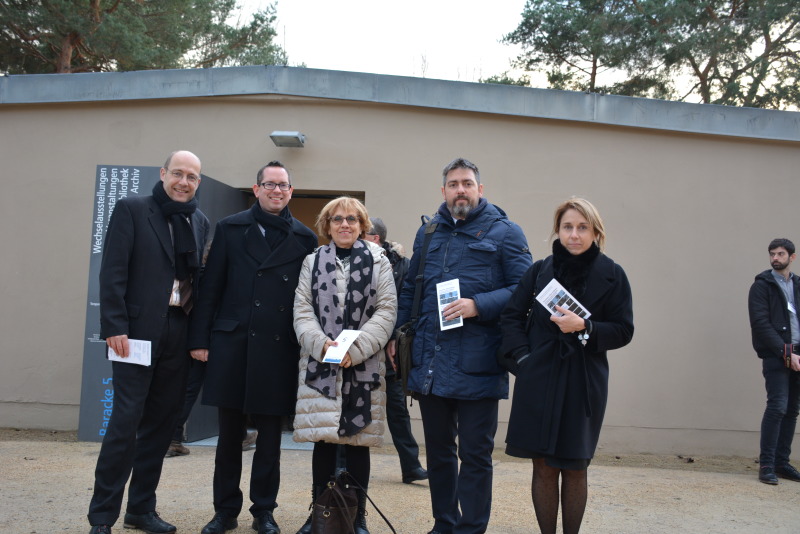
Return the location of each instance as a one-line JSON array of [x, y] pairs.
[[562, 369]]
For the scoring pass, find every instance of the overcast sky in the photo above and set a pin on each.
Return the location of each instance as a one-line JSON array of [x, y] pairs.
[[446, 39]]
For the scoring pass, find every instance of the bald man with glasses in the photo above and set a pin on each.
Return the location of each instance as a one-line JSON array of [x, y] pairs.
[[148, 279]]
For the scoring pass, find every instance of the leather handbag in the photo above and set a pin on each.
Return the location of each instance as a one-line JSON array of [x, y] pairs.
[[335, 509], [405, 334]]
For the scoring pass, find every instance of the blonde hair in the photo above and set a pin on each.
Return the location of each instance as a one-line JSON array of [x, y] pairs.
[[589, 212], [348, 205]]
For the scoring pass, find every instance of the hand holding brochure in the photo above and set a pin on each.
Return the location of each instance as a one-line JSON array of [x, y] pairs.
[[335, 354], [554, 294], [139, 350], [447, 292]]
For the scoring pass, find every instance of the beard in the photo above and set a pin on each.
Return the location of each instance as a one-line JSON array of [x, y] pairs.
[[460, 211], [778, 266]]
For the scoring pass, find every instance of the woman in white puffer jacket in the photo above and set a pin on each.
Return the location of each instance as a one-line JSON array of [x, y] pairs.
[[347, 284]]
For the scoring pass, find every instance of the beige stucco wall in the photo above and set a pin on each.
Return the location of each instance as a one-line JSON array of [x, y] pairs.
[[688, 216]]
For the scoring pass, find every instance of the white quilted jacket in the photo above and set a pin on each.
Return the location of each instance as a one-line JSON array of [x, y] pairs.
[[317, 417]]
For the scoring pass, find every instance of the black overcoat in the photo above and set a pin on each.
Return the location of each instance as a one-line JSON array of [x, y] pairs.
[[244, 317], [561, 390]]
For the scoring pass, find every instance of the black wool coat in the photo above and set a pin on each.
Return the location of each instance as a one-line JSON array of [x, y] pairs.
[[244, 317], [561, 390]]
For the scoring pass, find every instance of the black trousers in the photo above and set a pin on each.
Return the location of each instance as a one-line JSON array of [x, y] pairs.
[[461, 496], [265, 474], [197, 375], [146, 405], [399, 423], [324, 462]]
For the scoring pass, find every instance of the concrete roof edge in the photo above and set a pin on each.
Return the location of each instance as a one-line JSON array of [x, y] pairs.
[[401, 90]]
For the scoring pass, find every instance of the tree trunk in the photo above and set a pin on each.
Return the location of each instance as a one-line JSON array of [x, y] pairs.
[[64, 61]]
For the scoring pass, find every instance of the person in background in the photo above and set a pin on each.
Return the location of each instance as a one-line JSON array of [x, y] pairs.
[[561, 388], [345, 285], [772, 304], [148, 278], [396, 411], [242, 326]]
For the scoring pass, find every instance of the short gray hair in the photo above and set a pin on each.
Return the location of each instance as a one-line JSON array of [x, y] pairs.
[[461, 163], [378, 228]]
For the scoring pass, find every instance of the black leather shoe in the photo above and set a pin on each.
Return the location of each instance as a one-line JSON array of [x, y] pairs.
[[415, 474], [788, 472], [100, 529], [149, 522], [219, 524], [767, 475], [266, 524]]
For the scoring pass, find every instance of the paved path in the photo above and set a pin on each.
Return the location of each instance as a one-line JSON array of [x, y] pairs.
[[45, 487]]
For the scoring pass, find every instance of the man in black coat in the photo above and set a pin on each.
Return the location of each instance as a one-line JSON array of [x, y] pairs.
[[397, 416], [772, 304], [242, 326], [148, 276]]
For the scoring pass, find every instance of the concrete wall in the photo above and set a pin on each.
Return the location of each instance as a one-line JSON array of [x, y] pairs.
[[688, 216]]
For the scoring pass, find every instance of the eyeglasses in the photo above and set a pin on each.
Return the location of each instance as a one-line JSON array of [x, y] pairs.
[[351, 219], [269, 186], [179, 175]]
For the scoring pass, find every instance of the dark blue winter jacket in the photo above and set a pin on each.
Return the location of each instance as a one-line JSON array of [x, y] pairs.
[[488, 254]]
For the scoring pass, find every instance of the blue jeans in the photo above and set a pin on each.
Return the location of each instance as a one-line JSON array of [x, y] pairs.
[[780, 416]]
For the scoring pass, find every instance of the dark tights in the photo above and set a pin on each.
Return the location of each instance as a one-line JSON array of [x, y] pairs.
[[323, 463], [544, 490]]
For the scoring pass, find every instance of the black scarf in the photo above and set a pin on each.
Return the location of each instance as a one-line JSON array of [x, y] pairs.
[[183, 242], [276, 227], [572, 270]]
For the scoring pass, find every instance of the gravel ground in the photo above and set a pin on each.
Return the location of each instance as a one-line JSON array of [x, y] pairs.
[[47, 479]]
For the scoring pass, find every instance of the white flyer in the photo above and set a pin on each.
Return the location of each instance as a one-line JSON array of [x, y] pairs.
[[335, 354], [139, 350], [447, 292], [554, 294]]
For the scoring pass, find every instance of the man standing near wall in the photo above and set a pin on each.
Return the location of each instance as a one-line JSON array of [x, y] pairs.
[[455, 375], [773, 301], [242, 326], [396, 412], [148, 277]]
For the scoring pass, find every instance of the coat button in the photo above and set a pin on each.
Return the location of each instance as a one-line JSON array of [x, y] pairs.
[[282, 308], [455, 233], [276, 337], [446, 269], [252, 333], [438, 347], [285, 277], [260, 273], [257, 303]]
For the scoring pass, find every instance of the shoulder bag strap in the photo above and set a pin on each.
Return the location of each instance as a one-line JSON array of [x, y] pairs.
[[430, 228]]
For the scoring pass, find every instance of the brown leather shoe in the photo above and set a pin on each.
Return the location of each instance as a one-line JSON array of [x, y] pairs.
[[176, 448]]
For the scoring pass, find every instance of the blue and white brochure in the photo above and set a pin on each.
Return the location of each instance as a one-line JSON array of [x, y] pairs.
[[335, 354]]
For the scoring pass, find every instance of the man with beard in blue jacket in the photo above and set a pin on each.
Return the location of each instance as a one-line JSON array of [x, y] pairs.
[[454, 372]]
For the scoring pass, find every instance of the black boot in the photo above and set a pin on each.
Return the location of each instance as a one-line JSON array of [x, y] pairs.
[[306, 528], [360, 524]]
